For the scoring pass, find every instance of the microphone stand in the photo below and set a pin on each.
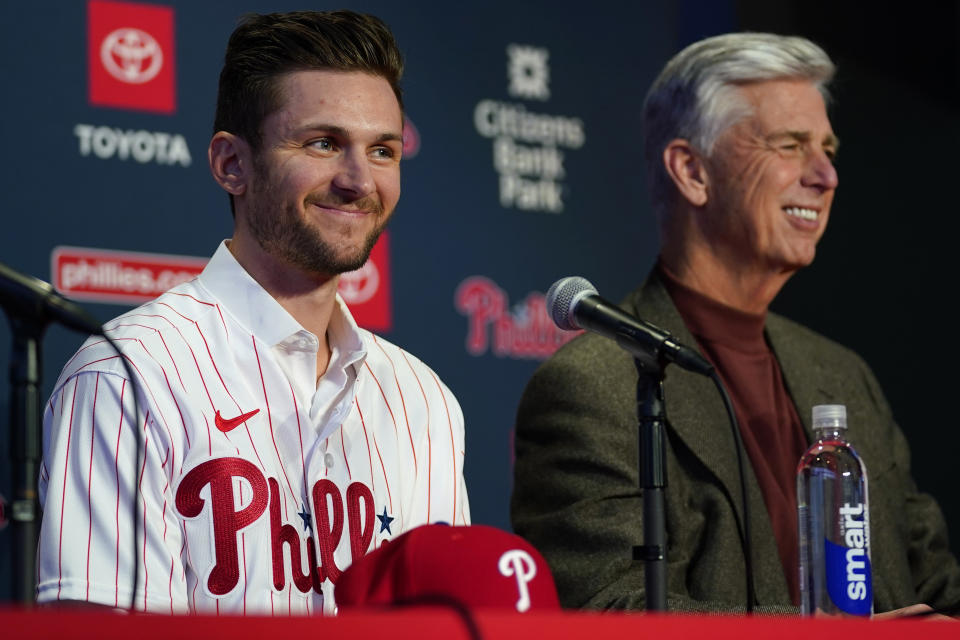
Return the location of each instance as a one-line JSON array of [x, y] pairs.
[[31, 304], [25, 420], [653, 479]]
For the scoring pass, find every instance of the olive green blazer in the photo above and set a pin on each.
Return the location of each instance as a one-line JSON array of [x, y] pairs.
[[576, 495]]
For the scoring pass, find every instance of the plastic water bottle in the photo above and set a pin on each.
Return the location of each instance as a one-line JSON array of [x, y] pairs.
[[834, 520]]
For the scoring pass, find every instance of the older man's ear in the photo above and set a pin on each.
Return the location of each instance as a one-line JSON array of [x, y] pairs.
[[686, 168]]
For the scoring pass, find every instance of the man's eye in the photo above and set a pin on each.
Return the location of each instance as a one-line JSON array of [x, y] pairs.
[[323, 144], [383, 152]]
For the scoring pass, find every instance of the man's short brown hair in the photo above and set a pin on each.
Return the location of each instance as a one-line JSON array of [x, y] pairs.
[[264, 48]]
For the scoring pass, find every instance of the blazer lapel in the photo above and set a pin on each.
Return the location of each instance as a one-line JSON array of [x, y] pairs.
[[697, 416], [695, 411]]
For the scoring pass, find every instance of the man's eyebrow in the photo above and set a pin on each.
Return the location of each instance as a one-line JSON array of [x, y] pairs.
[[340, 132], [799, 136], [829, 140]]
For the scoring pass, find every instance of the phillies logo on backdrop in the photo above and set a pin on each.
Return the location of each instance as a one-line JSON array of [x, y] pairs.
[[130, 56], [523, 331], [411, 139], [367, 290]]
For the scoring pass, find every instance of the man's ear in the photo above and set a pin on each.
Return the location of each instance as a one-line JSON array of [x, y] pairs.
[[686, 168], [231, 162]]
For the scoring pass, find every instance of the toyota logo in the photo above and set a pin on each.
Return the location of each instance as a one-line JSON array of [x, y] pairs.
[[131, 55], [357, 287]]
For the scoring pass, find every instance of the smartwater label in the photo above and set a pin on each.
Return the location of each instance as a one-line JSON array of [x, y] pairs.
[[849, 578]]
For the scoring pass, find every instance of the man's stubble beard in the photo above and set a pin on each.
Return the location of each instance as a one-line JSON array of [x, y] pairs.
[[282, 231]]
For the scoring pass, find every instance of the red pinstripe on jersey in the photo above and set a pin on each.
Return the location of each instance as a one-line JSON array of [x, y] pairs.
[[403, 403], [453, 446], [143, 469], [93, 419], [116, 465], [206, 423], [382, 395], [189, 348], [426, 404], [217, 370], [159, 335], [296, 413], [63, 498], [243, 554], [366, 439], [386, 481], [163, 518], [346, 458], [273, 439], [81, 350], [214, 363], [173, 396], [136, 368], [226, 331]]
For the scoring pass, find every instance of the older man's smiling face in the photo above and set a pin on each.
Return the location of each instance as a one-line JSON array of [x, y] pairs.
[[772, 179]]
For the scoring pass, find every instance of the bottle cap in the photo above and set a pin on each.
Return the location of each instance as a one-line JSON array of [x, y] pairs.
[[826, 416]]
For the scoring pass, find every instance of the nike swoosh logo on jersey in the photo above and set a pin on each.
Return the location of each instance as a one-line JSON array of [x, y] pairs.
[[226, 425]]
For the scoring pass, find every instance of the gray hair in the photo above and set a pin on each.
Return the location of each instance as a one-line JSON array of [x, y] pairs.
[[695, 97]]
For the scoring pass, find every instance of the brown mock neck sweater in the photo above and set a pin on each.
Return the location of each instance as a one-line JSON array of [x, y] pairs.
[[733, 341]]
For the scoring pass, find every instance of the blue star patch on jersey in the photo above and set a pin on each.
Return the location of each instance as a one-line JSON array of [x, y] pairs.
[[307, 521], [385, 521]]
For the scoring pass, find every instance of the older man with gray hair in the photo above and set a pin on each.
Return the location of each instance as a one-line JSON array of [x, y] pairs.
[[740, 157]]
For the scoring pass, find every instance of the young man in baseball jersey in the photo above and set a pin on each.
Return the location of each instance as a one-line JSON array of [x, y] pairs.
[[278, 442]]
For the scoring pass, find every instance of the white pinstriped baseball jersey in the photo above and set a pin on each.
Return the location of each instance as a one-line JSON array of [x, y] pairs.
[[256, 487]]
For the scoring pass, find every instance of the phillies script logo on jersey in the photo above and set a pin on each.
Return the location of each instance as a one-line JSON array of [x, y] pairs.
[[329, 507], [524, 331], [367, 290], [130, 56]]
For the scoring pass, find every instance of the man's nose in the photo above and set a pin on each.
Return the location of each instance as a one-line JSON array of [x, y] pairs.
[[820, 172], [354, 175]]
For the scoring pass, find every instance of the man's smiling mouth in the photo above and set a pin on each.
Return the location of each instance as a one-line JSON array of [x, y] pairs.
[[802, 213]]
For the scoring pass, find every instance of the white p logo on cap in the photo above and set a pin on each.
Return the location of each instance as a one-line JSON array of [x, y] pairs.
[[519, 563]]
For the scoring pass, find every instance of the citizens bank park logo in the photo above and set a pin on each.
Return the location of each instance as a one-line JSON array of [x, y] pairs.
[[523, 331], [528, 146], [130, 56], [129, 277]]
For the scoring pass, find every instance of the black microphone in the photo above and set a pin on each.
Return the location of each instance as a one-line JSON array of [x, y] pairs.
[[574, 304], [33, 299]]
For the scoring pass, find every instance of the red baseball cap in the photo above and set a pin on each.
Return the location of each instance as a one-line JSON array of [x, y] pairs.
[[477, 566]]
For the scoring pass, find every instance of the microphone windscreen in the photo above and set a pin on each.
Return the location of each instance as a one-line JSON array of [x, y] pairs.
[[562, 297]]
